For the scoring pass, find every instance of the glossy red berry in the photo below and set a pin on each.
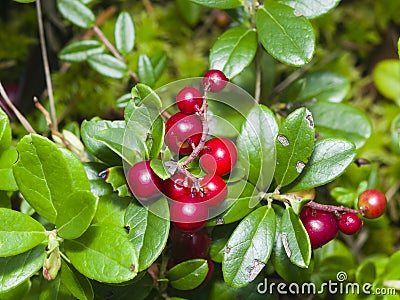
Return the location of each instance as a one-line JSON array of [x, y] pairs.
[[350, 223], [182, 131], [143, 182], [373, 203], [188, 213], [189, 99], [176, 186], [215, 80], [321, 226], [218, 156], [189, 245], [215, 190]]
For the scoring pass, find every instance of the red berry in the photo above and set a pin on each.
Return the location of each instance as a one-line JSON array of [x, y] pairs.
[[189, 245], [350, 223], [188, 213], [176, 187], [215, 80], [189, 99], [182, 131], [215, 190], [373, 203], [321, 226], [142, 181], [218, 156]]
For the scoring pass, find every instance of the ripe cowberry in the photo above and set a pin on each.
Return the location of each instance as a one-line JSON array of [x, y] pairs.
[[215, 190], [215, 80], [142, 181], [189, 100], [182, 131], [372, 202], [321, 226], [350, 223], [176, 186], [218, 156], [188, 213]]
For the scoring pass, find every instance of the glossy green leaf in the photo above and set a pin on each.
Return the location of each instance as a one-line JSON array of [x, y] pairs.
[[73, 221], [233, 51], [387, 78], [148, 230], [116, 177], [146, 71], [146, 96], [224, 4], [103, 253], [159, 63], [241, 199], [123, 101], [111, 210], [189, 11], [366, 272], [346, 122], [294, 145], [5, 131], [344, 196], [18, 292], [80, 51], [77, 13], [25, 1], [295, 239], [319, 85], [16, 269], [18, 232], [124, 33], [108, 65], [219, 237], [78, 174], [249, 247], [285, 35], [97, 185], [53, 289], [156, 140], [188, 275], [5, 201], [256, 146], [329, 159], [7, 160], [76, 283], [160, 169], [89, 129], [311, 8]]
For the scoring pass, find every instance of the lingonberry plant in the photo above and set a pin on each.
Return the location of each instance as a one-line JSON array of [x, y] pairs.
[[256, 164]]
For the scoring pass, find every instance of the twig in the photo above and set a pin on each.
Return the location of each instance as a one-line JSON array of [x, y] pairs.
[[46, 64], [20, 117], [333, 208], [257, 90]]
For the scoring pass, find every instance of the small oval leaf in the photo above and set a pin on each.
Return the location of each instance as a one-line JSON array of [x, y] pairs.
[[146, 70], [387, 78], [311, 8], [124, 33], [108, 65], [224, 4], [79, 286], [77, 13], [5, 131], [188, 275], [80, 51]]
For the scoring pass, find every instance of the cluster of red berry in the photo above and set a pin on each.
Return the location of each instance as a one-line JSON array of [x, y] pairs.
[[322, 226], [186, 134]]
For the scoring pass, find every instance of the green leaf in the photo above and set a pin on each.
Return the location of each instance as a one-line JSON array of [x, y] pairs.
[[124, 142], [111, 210], [76, 283], [5, 131], [80, 51], [124, 33], [146, 96], [159, 168], [16, 269], [103, 253], [233, 51], [18, 292], [108, 65], [219, 237], [75, 167], [387, 78], [295, 239], [189, 11], [285, 35], [329, 160], [76, 218], [77, 13], [311, 8], [188, 275], [146, 71], [159, 63], [320, 85], [18, 232], [156, 140], [224, 4], [149, 227], [25, 1], [7, 160], [249, 247], [89, 129], [53, 289], [344, 196], [294, 145], [346, 122], [256, 146], [5, 201], [116, 177], [97, 185]]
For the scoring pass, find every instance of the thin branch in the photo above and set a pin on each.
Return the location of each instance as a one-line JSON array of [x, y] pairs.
[[333, 208], [46, 64], [257, 90], [20, 117]]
